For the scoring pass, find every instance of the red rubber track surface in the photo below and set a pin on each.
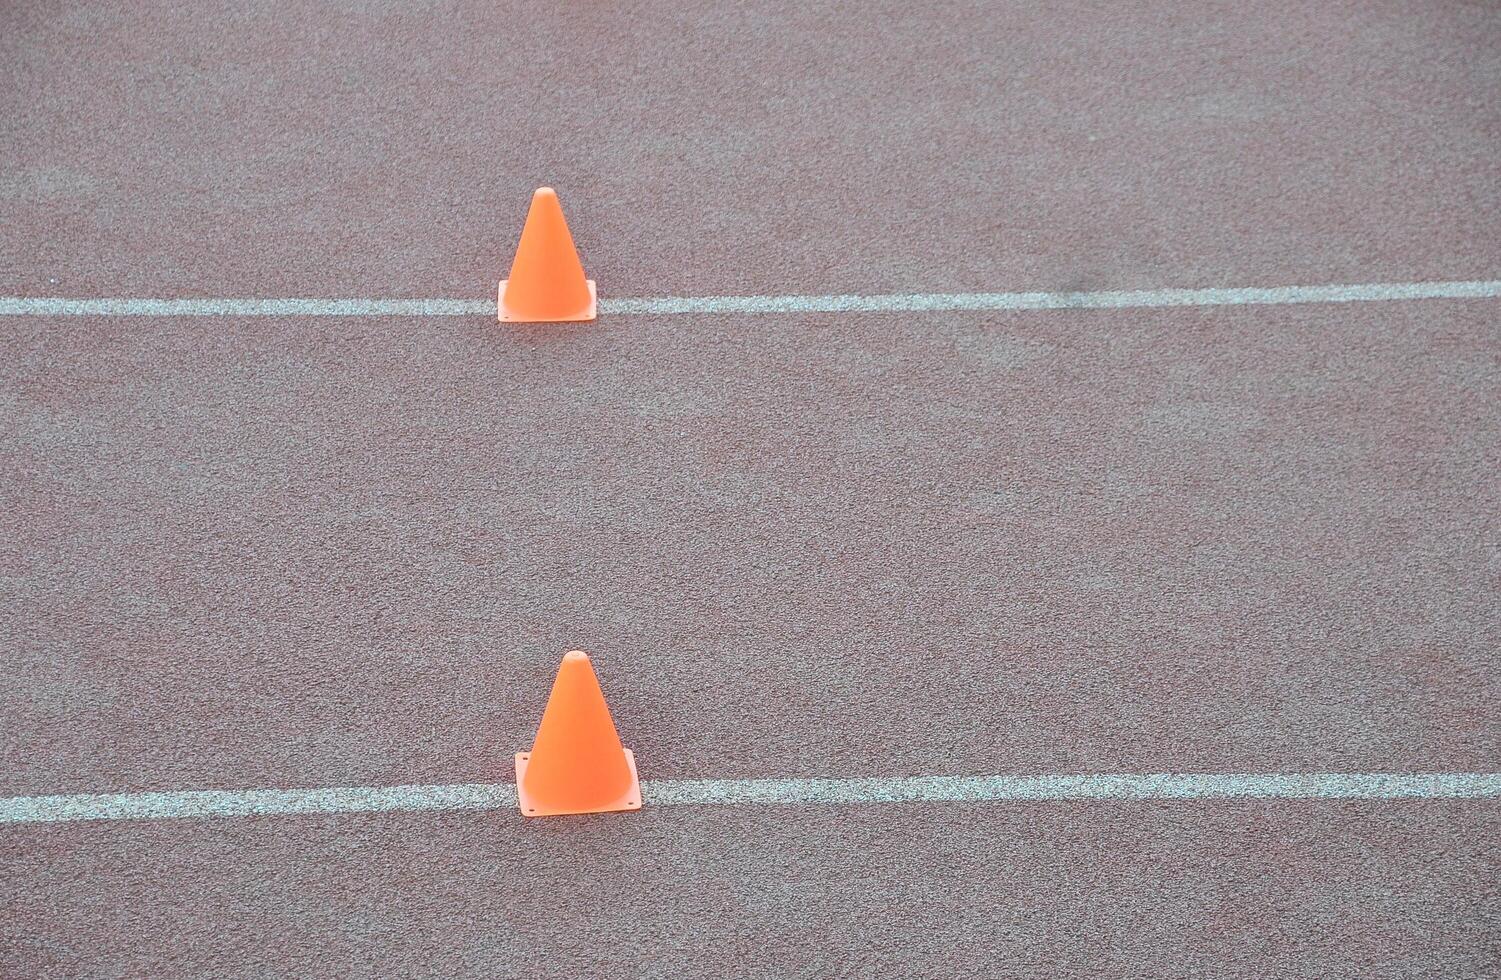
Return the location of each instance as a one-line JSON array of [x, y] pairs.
[[261, 552]]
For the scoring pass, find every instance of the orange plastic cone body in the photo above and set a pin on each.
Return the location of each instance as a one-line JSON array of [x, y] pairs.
[[547, 281], [576, 764]]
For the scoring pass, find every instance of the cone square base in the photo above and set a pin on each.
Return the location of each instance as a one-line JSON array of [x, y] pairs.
[[629, 800], [506, 316]]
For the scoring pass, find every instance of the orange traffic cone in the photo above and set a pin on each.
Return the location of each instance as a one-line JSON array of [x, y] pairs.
[[547, 281], [576, 764]]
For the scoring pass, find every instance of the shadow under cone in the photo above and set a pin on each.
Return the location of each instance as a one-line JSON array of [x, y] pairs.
[[547, 281], [577, 764]]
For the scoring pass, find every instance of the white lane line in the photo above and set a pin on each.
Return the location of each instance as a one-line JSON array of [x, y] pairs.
[[58, 306], [1154, 786], [255, 802], [889, 303], [1105, 300], [739, 792]]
